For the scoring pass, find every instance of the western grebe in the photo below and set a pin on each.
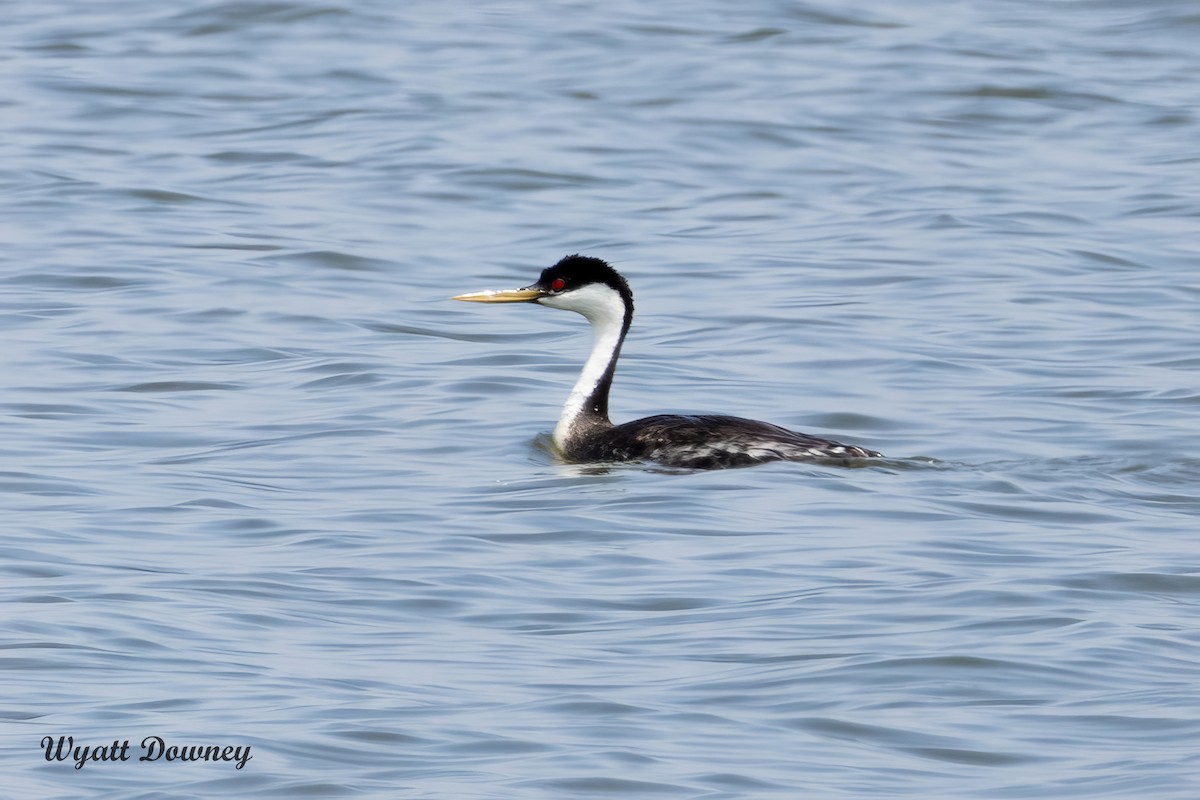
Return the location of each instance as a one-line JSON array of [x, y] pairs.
[[590, 287]]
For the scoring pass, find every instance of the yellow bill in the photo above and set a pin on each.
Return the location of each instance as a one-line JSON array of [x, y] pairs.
[[501, 296]]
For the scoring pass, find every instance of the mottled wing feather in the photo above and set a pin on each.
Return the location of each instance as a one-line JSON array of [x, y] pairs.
[[704, 442]]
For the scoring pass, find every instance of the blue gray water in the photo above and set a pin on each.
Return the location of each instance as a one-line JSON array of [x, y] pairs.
[[265, 486]]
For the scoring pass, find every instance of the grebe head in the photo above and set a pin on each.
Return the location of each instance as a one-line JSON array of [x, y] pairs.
[[590, 287], [586, 285]]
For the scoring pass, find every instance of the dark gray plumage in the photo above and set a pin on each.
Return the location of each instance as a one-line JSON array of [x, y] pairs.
[[708, 442]]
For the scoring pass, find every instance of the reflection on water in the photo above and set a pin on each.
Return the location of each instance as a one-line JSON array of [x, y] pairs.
[[268, 487]]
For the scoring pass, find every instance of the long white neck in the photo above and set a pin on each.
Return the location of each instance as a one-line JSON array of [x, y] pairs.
[[587, 405]]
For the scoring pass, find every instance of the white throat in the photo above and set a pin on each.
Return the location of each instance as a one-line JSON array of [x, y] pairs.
[[604, 308]]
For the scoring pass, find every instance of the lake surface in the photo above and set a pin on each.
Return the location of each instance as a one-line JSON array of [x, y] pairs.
[[265, 486]]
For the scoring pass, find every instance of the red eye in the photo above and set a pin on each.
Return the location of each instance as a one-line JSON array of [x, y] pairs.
[[557, 285]]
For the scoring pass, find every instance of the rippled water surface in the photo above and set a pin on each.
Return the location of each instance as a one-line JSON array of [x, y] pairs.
[[266, 487]]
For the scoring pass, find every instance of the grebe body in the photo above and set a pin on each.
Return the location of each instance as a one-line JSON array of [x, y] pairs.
[[584, 433]]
